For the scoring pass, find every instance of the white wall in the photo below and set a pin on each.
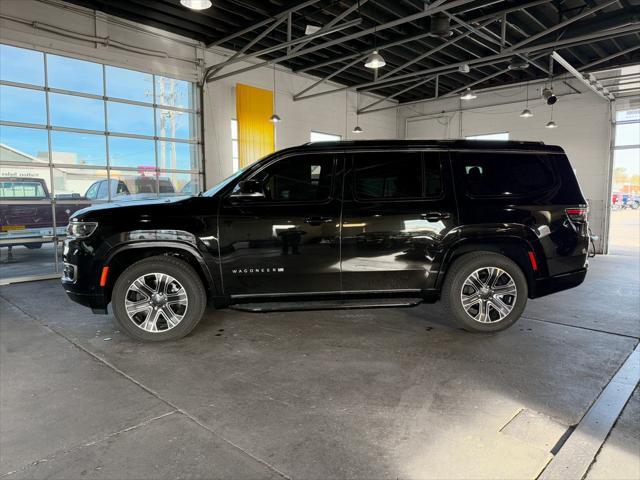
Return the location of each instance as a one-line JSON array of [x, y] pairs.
[[333, 113], [584, 129], [144, 48]]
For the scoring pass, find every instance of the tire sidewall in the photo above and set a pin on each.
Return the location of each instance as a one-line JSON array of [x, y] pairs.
[[466, 265], [179, 270]]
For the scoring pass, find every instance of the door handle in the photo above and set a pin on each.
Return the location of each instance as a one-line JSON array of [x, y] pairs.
[[435, 216], [317, 220]]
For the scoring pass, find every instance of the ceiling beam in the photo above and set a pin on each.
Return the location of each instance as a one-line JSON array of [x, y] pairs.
[[633, 28], [262, 23], [592, 84], [435, 7], [210, 71], [393, 95]]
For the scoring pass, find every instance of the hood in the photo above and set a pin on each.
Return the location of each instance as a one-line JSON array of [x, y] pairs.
[[116, 206]]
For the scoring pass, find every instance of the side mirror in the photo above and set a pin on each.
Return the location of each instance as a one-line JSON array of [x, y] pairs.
[[248, 189]]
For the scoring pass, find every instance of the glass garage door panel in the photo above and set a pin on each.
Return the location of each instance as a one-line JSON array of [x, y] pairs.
[[74, 133], [27, 230]]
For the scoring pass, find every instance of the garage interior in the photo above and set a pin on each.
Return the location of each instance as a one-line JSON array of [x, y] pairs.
[[147, 93]]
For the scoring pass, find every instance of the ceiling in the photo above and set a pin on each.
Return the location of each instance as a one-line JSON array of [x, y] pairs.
[[606, 37]]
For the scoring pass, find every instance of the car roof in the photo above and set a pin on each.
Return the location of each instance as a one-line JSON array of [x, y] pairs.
[[457, 144]]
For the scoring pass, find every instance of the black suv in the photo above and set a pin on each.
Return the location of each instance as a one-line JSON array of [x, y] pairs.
[[482, 224]]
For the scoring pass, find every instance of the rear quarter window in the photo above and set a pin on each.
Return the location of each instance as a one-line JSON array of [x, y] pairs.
[[488, 174]]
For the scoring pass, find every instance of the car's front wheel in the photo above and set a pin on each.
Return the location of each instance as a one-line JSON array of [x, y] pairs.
[[158, 298], [485, 292]]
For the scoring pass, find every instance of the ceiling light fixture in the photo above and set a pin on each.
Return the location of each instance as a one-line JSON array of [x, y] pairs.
[[468, 95], [274, 118], [196, 4], [526, 113], [375, 60], [551, 123], [357, 130]]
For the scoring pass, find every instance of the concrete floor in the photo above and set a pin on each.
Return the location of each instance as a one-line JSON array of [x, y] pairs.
[[394, 393]]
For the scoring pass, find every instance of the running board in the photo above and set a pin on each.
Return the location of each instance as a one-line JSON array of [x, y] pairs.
[[349, 304]]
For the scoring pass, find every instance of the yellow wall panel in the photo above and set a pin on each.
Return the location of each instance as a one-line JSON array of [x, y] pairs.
[[256, 135]]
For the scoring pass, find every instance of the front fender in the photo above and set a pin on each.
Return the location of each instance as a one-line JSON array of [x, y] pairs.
[[170, 240]]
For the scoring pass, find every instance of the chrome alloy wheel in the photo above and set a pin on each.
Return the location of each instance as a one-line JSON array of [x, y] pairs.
[[488, 295], [156, 302]]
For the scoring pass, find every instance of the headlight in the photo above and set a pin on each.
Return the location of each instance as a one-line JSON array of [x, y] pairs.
[[81, 229]]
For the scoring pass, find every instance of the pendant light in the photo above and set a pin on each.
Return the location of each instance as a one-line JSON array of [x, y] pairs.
[[551, 123], [196, 4], [526, 113], [357, 128], [274, 118], [375, 60], [468, 95]]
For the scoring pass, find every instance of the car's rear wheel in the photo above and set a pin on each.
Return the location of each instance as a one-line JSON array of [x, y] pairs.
[[158, 298], [485, 292]]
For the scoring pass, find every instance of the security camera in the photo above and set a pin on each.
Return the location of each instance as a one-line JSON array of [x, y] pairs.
[[549, 96]]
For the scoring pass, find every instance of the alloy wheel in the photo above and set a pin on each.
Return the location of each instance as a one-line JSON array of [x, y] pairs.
[[488, 295], [156, 302]]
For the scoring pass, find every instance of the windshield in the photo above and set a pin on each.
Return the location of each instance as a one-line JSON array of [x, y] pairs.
[[212, 191]]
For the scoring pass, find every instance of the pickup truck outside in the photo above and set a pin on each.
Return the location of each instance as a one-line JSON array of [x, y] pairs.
[[26, 213]]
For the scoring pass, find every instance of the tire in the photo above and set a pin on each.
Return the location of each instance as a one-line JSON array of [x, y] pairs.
[[162, 282], [501, 311]]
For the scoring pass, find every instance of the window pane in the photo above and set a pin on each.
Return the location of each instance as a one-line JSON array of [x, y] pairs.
[[177, 156], [234, 129], [297, 179], [234, 149], [628, 115], [493, 174], [324, 137], [19, 144], [627, 134], [76, 75], [22, 184], [388, 175], [490, 136], [181, 183], [21, 65], [127, 185], [72, 184], [129, 84], [78, 148], [124, 118], [175, 124], [626, 171], [25, 220], [76, 112], [132, 152], [22, 105], [175, 93]]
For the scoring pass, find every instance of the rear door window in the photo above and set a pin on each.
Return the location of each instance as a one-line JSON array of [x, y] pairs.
[[488, 174], [396, 175]]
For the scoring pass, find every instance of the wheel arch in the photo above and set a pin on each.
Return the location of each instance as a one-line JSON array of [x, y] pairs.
[[514, 248], [125, 255]]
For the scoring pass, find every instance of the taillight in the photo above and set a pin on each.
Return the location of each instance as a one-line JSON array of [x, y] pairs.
[[577, 214]]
